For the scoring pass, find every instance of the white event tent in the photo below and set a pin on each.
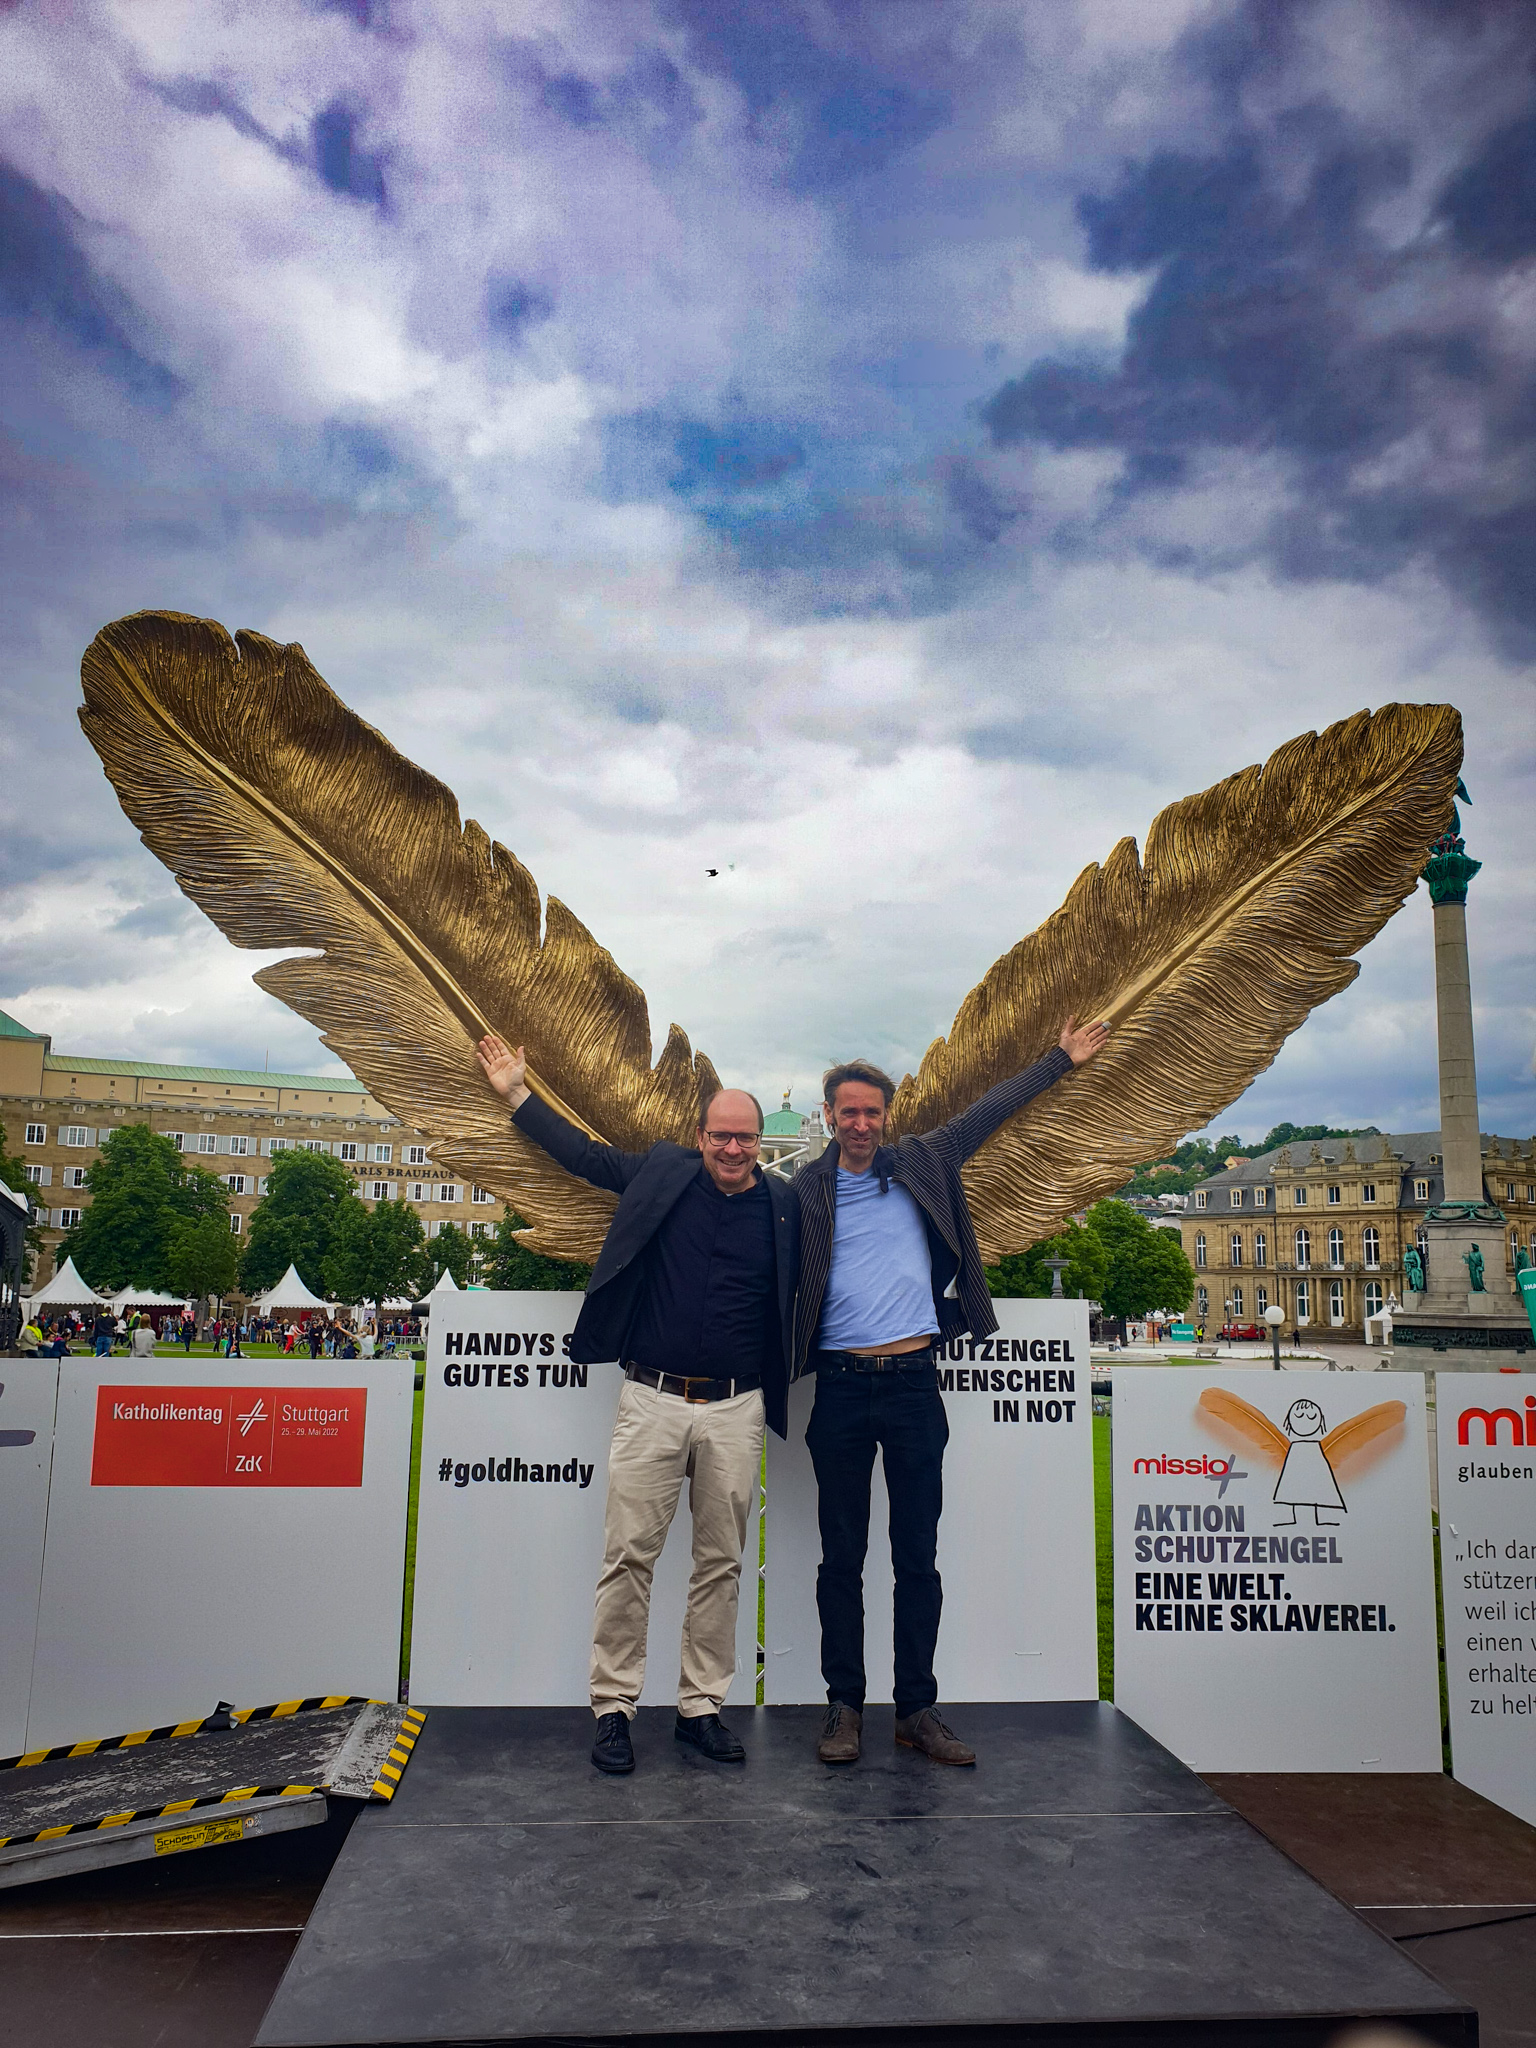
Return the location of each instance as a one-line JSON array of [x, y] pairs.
[[290, 1293], [446, 1284], [66, 1290], [145, 1297]]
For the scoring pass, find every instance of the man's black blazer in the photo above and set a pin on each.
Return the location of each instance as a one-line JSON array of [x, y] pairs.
[[647, 1184]]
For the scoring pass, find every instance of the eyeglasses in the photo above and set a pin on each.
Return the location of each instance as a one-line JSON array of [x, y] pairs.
[[722, 1140]]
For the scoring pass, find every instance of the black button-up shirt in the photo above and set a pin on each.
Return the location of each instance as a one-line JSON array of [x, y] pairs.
[[709, 1309]]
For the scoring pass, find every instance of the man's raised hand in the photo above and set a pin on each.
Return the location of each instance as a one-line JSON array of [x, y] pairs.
[[1080, 1043], [504, 1068]]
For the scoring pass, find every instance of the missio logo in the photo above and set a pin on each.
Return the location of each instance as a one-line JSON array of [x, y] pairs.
[[1222, 1470], [1522, 1427]]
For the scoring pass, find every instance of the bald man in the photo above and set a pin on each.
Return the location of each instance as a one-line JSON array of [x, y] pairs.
[[693, 1293]]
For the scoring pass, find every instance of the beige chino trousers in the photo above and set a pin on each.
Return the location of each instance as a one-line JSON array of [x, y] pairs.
[[659, 1440]]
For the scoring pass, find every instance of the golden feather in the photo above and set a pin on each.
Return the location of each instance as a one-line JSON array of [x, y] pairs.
[[1205, 956], [1360, 1430], [1249, 1423], [291, 822]]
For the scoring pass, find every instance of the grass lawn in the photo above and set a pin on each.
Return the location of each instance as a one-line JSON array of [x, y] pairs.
[[1104, 1557]]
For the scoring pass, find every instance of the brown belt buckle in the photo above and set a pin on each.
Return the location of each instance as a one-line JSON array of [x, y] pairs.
[[696, 1400]]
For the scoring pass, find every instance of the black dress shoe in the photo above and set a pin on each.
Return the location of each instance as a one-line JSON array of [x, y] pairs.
[[709, 1734], [613, 1751]]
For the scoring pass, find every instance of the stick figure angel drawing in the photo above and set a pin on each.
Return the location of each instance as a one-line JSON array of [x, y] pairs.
[[1310, 1455]]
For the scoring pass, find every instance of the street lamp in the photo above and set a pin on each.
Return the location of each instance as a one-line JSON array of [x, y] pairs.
[[1275, 1316]]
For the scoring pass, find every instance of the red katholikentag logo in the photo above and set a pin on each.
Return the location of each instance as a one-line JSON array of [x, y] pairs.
[[229, 1436]]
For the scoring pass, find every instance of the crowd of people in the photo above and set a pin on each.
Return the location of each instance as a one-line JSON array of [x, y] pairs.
[[106, 1334]]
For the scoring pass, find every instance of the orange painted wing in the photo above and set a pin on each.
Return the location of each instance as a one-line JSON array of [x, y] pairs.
[[1362, 1429], [1240, 1415]]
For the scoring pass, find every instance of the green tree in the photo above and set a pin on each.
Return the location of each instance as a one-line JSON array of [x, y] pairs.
[[1147, 1267], [452, 1251], [13, 1173], [375, 1254], [140, 1191], [296, 1220], [1026, 1273], [1306, 1134], [202, 1257], [510, 1264]]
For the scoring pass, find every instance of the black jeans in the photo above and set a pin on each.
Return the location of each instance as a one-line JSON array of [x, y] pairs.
[[903, 1412]]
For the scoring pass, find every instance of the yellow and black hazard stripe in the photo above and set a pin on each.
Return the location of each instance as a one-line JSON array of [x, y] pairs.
[[176, 1807], [219, 1721], [400, 1755]]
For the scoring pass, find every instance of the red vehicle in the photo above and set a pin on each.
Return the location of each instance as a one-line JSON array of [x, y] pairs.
[[1243, 1333]]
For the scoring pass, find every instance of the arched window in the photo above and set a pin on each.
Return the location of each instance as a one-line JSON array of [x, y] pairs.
[[1303, 1302], [1335, 1247], [1237, 1304], [1370, 1244], [1202, 1301], [1260, 1248], [1335, 1302], [1303, 1249], [1199, 1247], [1237, 1248], [1260, 1300], [1373, 1297]]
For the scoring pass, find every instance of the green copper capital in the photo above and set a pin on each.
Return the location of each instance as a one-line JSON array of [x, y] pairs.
[[1450, 867]]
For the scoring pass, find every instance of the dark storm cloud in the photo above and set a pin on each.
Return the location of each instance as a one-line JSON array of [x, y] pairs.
[[46, 278], [513, 306], [1284, 322], [342, 162], [647, 100], [858, 112], [1491, 204]]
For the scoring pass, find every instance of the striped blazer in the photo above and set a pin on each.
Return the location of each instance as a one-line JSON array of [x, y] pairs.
[[928, 1167]]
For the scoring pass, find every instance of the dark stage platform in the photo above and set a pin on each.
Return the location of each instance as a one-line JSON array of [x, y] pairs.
[[1079, 1886]]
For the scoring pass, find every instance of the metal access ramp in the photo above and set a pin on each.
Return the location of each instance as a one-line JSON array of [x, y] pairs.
[[237, 1774]]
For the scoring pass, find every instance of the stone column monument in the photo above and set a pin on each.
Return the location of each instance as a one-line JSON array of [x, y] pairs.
[[1466, 1315]]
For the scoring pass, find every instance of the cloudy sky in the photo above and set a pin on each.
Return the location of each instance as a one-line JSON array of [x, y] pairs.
[[882, 449]]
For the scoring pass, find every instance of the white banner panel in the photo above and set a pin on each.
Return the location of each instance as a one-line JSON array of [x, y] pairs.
[[1274, 1570], [1015, 1542], [220, 1529], [1486, 1439], [509, 1533], [29, 1390]]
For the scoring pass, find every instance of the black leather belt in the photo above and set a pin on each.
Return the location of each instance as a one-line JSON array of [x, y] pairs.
[[691, 1389], [883, 1361]]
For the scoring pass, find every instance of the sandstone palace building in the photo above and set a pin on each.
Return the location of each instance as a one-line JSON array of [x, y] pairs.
[[1320, 1229], [58, 1111]]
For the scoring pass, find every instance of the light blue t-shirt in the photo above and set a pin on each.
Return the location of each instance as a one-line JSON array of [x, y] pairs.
[[880, 1288]]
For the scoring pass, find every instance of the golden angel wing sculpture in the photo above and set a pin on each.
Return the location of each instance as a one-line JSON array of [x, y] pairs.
[[1240, 1415], [293, 823], [1360, 1431], [1205, 955]]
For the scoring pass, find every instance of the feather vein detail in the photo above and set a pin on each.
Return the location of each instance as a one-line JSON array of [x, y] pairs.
[[1205, 954], [292, 823]]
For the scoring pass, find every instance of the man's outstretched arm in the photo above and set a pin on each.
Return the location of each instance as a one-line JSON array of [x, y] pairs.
[[605, 1166], [1077, 1045]]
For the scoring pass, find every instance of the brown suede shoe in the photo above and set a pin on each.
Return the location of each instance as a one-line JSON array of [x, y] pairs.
[[927, 1732], [840, 1733]]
